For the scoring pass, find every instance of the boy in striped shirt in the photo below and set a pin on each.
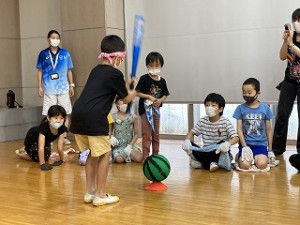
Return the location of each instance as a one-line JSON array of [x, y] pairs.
[[214, 129]]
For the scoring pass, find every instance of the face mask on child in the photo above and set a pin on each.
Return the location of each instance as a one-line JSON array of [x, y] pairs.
[[249, 99], [55, 125], [154, 71], [123, 108], [210, 111], [54, 42], [296, 25]]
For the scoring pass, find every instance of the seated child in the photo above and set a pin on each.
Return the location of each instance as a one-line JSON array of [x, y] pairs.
[[125, 130], [38, 139], [254, 129], [215, 129]]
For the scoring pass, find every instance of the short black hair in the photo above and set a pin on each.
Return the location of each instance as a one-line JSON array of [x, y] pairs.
[[112, 43], [53, 32], [254, 82], [57, 110], [296, 15], [154, 57], [217, 98]]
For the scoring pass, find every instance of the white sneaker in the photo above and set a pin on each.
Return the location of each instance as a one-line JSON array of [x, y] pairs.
[[67, 141], [108, 199], [213, 167], [195, 164], [88, 197]]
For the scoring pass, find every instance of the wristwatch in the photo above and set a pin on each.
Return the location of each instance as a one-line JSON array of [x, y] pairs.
[[72, 85]]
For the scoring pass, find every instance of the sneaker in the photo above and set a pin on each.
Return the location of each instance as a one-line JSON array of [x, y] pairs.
[[88, 197], [213, 167], [195, 164], [67, 142], [108, 199]]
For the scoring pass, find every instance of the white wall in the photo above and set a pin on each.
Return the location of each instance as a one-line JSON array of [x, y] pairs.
[[213, 45]]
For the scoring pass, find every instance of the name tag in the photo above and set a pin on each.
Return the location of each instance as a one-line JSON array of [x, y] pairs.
[[54, 76]]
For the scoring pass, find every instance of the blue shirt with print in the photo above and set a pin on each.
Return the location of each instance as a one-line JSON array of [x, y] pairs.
[[59, 63], [254, 122]]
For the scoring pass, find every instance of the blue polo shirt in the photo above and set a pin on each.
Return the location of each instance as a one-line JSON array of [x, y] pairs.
[[55, 69]]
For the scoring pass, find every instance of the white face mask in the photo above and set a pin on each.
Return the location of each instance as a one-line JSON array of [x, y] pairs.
[[123, 108], [55, 125], [54, 42], [296, 25], [210, 111], [154, 71]]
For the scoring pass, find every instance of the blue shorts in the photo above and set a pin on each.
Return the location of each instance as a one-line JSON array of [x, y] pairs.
[[256, 149]]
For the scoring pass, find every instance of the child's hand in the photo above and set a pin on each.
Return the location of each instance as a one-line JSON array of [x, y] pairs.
[[247, 154], [271, 156], [186, 146], [157, 103], [45, 167], [151, 98], [114, 141], [128, 150], [57, 163], [223, 147], [130, 84]]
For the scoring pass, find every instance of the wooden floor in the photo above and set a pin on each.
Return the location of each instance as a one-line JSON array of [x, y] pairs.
[[31, 196]]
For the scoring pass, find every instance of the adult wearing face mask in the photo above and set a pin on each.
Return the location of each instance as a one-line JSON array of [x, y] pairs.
[[55, 78], [214, 129], [290, 87]]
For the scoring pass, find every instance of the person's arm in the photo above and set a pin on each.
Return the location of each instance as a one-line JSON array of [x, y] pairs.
[[295, 49], [142, 95], [129, 97], [159, 101], [71, 83], [284, 47], [41, 148], [269, 134], [234, 140], [60, 146], [135, 130], [40, 83], [190, 135], [239, 128]]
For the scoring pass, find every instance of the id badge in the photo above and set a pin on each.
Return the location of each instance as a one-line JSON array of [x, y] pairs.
[[54, 76]]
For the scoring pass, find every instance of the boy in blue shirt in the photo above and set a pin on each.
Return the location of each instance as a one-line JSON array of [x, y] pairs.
[[254, 128]]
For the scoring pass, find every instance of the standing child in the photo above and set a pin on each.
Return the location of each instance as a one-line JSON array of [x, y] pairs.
[[152, 90], [125, 130], [254, 128], [89, 117], [55, 77], [38, 139], [214, 129]]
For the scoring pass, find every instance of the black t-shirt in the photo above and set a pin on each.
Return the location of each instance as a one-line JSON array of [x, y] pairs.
[[32, 135], [292, 72], [89, 113], [152, 87]]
